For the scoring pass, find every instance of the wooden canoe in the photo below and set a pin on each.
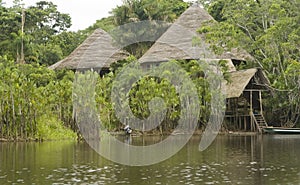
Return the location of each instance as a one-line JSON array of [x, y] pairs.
[[281, 130]]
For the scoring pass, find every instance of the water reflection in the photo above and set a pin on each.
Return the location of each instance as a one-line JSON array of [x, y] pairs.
[[267, 159]]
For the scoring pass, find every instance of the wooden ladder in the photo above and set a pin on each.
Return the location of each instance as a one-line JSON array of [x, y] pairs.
[[259, 121]]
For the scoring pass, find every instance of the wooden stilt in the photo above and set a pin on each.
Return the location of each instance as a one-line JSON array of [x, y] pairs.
[[251, 111], [245, 123], [260, 103]]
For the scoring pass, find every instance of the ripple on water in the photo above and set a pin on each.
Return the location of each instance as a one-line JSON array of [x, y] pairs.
[[158, 176], [75, 179], [122, 182], [209, 183], [253, 162], [198, 179]]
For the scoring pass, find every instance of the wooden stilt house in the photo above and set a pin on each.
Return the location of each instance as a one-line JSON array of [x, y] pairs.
[[244, 103]]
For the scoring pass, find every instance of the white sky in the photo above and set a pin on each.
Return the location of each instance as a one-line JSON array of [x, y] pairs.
[[84, 13]]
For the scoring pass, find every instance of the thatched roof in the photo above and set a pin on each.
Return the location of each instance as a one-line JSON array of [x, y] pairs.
[[97, 51], [177, 41], [240, 79]]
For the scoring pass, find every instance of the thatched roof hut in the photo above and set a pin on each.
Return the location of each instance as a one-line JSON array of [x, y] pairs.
[[244, 103], [96, 52], [177, 41], [254, 79]]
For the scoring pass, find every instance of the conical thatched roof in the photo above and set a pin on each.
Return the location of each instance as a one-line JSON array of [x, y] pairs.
[[240, 79], [97, 51], [177, 41]]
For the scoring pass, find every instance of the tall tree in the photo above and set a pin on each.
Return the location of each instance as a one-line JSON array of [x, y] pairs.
[[45, 20], [31, 31]]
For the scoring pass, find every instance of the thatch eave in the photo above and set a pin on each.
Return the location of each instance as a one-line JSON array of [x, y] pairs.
[[240, 79]]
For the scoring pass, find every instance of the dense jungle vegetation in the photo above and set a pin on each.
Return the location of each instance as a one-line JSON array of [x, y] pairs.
[[37, 102]]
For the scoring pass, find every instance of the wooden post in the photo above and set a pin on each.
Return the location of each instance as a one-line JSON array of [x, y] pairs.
[[252, 148], [236, 112], [251, 101], [260, 103], [245, 123], [251, 111]]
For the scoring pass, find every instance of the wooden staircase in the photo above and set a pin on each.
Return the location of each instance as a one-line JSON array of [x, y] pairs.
[[259, 120]]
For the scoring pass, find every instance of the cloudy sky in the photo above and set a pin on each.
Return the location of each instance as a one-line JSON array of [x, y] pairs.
[[83, 12]]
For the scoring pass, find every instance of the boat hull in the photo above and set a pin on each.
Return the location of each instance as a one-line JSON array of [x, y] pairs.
[[279, 130]]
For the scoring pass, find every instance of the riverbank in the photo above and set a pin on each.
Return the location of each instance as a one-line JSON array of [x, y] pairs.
[[35, 139], [196, 133], [118, 133]]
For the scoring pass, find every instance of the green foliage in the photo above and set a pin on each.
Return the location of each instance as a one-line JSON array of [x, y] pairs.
[[139, 10], [147, 88], [216, 10], [30, 92], [50, 128]]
